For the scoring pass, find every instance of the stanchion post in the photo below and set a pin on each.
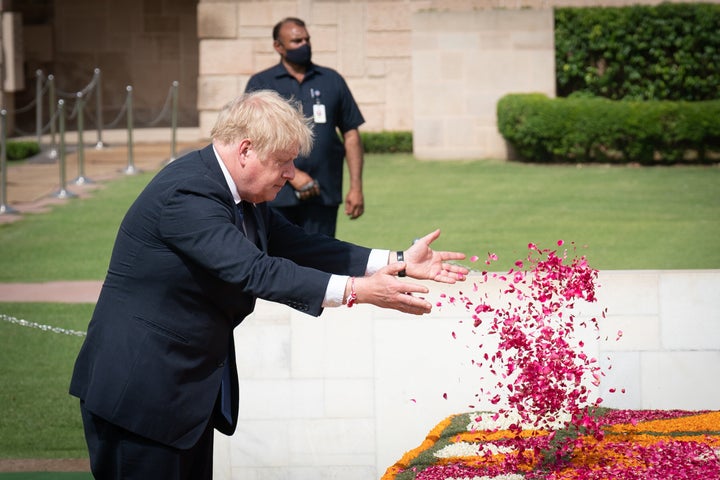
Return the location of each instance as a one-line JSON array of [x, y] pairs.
[[5, 209], [51, 104], [130, 169], [174, 115], [81, 179], [62, 191], [98, 108], [38, 106]]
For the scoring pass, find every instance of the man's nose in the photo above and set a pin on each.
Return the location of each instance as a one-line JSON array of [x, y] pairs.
[[290, 172]]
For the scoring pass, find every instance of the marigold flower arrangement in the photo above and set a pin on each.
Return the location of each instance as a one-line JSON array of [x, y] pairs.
[[546, 425]]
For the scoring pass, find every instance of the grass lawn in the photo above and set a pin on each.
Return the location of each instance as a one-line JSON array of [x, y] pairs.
[[72, 243], [629, 218], [39, 418]]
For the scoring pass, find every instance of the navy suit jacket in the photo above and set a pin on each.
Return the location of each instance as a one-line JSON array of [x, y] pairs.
[[181, 277]]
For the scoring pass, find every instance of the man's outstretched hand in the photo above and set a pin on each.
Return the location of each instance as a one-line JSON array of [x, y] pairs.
[[384, 289], [424, 263]]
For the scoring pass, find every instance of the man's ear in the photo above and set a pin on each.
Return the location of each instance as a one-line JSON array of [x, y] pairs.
[[242, 149], [278, 47]]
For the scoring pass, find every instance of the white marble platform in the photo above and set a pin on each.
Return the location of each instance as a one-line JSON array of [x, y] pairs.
[[343, 396]]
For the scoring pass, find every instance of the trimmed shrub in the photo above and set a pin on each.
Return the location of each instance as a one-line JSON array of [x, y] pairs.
[[584, 129], [20, 150], [387, 142], [670, 51]]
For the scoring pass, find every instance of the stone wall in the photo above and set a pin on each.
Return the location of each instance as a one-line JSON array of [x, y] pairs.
[[463, 63], [346, 394], [368, 42], [146, 44], [388, 50], [436, 67]]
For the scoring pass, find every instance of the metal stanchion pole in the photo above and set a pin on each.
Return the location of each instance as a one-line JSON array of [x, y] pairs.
[[81, 179], [51, 104], [173, 140], [130, 169], [38, 106], [62, 192], [98, 107], [5, 209]]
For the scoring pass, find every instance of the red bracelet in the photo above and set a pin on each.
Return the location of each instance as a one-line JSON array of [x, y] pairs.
[[353, 294]]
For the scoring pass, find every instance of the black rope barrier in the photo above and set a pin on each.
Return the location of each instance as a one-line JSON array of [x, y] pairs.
[[58, 117]]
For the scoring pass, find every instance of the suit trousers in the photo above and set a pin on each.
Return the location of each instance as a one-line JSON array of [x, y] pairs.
[[116, 453]]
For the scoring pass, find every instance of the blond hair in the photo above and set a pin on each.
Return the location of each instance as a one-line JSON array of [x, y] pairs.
[[272, 123]]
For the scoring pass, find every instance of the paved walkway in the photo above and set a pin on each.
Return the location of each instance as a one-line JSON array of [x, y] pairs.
[[14, 465], [54, 292], [33, 185]]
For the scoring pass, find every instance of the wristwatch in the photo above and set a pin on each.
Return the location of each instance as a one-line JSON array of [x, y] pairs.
[[401, 258]]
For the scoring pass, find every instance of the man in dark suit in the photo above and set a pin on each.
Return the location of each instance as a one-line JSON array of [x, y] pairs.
[[156, 373]]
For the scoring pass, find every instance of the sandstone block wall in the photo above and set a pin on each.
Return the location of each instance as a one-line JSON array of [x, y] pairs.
[[369, 43], [463, 63], [436, 67]]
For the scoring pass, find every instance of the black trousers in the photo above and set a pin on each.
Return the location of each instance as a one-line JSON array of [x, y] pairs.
[[116, 453]]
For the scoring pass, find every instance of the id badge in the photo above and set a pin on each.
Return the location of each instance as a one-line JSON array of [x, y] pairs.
[[319, 113]]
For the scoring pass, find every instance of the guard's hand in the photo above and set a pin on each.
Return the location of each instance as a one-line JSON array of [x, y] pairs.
[[354, 204], [305, 186], [309, 190], [424, 263], [301, 178]]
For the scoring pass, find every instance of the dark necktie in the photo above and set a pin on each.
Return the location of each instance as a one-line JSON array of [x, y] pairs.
[[246, 220]]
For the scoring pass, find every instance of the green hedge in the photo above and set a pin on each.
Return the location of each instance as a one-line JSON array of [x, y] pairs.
[[20, 150], [387, 142], [663, 52], [601, 130]]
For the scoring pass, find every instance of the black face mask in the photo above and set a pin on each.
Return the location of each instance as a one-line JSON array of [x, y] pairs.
[[299, 56]]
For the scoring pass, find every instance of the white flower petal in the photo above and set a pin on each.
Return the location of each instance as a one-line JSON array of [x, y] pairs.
[[466, 449], [484, 421]]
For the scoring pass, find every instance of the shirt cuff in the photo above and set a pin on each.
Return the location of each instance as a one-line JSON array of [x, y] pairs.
[[336, 286], [378, 259], [335, 291]]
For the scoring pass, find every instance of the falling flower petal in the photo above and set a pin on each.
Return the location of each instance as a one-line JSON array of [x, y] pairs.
[[540, 365]]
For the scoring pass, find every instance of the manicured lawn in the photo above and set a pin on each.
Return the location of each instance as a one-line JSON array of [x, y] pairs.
[[39, 418], [71, 243], [629, 218]]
